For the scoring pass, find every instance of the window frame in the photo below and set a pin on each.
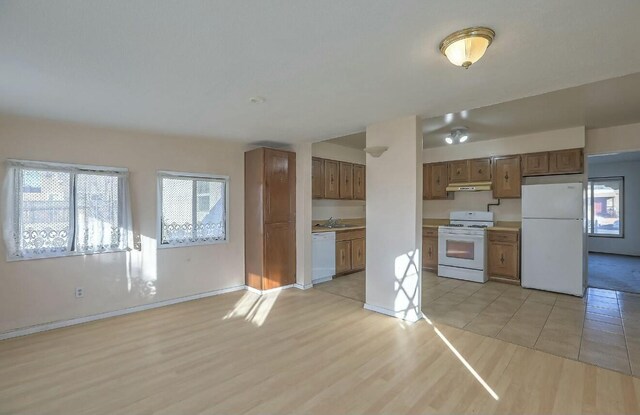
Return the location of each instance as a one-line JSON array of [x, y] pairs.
[[591, 218], [73, 169], [162, 174]]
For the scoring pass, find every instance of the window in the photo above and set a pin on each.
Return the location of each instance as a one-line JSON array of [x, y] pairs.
[[605, 198], [192, 209], [58, 209]]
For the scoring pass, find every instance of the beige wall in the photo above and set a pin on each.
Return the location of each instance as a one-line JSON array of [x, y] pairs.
[[41, 291], [613, 139], [509, 209], [340, 209], [394, 223]]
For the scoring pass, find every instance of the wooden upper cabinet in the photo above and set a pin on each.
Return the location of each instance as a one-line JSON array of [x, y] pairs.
[[535, 164], [359, 182], [279, 173], [435, 181], [317, 178], [346, 180], [566, 161], [507, 177], [459, 171], [331, 180], [480, 170]]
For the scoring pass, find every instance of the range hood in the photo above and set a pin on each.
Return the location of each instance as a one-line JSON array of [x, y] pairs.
[[469, 187]]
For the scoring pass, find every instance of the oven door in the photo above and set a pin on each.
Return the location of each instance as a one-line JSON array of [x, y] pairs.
[[461, 249]]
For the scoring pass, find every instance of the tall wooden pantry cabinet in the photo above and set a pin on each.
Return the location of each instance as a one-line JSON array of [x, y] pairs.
[[270, 218]]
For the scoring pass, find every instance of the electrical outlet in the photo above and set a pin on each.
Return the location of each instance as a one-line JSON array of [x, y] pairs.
[[79, 292]]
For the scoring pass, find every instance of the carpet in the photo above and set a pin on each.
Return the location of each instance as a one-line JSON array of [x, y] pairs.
[[614, 272]]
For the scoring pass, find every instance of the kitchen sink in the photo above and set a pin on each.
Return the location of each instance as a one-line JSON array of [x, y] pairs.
[[335, 225]]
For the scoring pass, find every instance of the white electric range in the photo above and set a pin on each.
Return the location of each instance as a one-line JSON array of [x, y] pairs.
[[462, 246]]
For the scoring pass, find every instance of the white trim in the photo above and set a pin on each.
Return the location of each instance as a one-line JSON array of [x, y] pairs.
[[303, 286], [321, 280], [65, 323], [394, 313], [189, 176], [271, 290]]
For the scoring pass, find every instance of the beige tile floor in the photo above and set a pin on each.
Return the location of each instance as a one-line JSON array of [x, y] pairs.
[[603, 328]]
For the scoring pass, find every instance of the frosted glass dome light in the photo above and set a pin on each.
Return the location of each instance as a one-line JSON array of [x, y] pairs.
[[465, 47]]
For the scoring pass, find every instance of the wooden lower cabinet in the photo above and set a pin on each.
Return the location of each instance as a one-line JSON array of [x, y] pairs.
[[504, 256], [358, 254], [350, 251], [430, 249], [343, 257]]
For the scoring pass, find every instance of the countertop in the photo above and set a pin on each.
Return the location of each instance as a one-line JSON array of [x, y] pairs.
[[507, 226], [503, 226], [358, 223]]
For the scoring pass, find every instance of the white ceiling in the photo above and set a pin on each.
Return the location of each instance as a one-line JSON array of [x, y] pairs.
[[327, 68], [596, 105]]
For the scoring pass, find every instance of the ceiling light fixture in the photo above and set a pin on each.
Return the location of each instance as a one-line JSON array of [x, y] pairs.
[[376, 151], [465, 47], [457, 136], [257, 100]]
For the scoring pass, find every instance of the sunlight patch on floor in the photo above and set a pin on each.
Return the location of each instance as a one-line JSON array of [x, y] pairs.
[[463, 361], [254, 308]]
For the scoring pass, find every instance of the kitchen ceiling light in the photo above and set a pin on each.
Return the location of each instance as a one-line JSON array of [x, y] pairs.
[[458, 136], [465, 47]]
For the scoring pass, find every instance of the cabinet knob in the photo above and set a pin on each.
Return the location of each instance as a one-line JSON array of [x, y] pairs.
[[502, 258], [506, 176]]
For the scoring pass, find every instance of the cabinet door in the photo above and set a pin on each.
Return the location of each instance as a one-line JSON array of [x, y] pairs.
[[503, 260], [279, 183], [507, 178], [317, 178], [279, 255], [346, 180], [343, 257], [480, 170], [359, 184], [566, 161], [331, 182], [430, 253], [459, 171], [435, 181], [535, 164], [358, 259]]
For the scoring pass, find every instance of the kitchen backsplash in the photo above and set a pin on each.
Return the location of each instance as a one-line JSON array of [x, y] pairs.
[[509, 209], [343, 209]]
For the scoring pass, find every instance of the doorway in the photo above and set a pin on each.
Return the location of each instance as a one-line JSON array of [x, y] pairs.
[[613, 221]]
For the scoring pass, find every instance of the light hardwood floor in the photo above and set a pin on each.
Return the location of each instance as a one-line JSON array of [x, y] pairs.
[[292, 352]]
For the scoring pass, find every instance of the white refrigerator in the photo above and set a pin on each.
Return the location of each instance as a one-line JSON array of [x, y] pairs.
[[553, 238]]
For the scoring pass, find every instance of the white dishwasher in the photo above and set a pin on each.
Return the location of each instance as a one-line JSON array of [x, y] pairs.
[[324, 256]]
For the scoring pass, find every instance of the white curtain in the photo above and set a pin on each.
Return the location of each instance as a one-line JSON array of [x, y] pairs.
[[52, 209]]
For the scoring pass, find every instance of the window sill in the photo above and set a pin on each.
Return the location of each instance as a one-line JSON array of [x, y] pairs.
[[65, 255], [189, 244]]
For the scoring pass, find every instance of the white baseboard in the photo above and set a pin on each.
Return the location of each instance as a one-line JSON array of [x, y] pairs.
[[303, 287], [272, 290], [65, 323], [412, 318]]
